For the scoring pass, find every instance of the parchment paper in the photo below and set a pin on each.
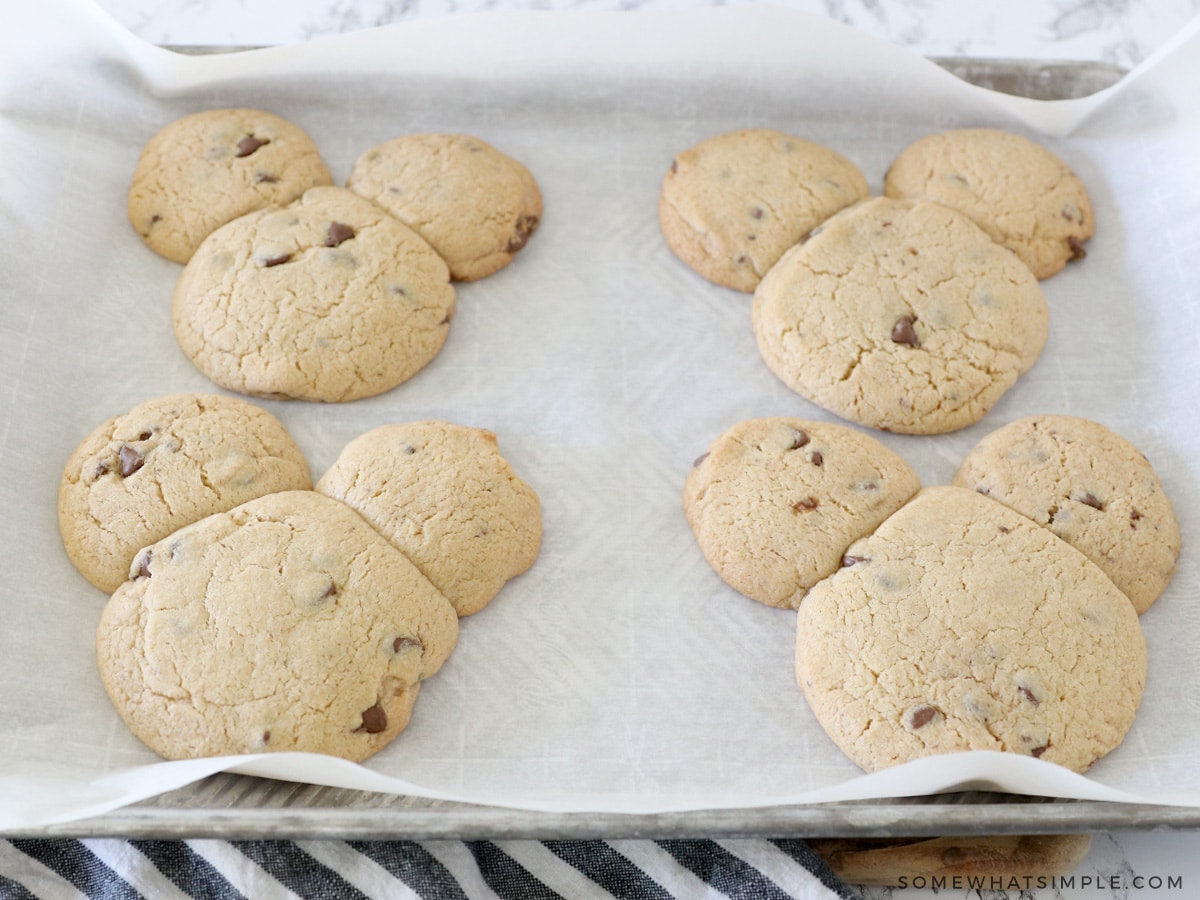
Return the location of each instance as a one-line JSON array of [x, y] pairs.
[[620, 673]]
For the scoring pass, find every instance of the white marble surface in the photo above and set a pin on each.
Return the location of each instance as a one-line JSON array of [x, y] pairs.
[[1120, 865]]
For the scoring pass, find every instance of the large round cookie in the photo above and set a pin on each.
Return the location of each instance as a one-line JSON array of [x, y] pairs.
[[962, 625], [329, 299], [475, 206], [1017, 191], [900, 315], [774, 503], [284, 624], [443, 495], [208, 168], [734, 203], [164, 464], [1092, 488]]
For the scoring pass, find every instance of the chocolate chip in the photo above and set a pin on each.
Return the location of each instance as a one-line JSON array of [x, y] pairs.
[[374, 720], [330, 591], [144, 569], [1004, 529], [409, 449], [849, 560], [445, 319], [406, 643], [812, 234], [1071, 213], [983, 490], [526, 226], [799, 439], [1076, 245], [265, 178], [904, 333], [752, 237], [699, 459], [817, 458], [398, 291], [1029, 695], [1090, 499], [741, 260], [145, 435], [808, 503], [338, 234], [270, 261], [155, 218], [913, 251], [249, 144], [921, 716], [1038, 751], [131, 460], [100, 470], [1134, 515], [756, 213]]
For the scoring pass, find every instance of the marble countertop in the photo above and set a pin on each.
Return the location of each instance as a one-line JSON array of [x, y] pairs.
[[1124, 32]]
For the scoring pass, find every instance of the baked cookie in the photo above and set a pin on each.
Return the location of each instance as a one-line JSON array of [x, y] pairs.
[[774, 503], [444, 496], [164, 464], [734, 203], [1020, 193], [1092, 488], [329, 298], [475, 206], [284, 624], [962, 625], [206, 169], [901, 315]]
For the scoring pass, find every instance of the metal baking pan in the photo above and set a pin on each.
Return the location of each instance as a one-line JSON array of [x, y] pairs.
[[244, 807]]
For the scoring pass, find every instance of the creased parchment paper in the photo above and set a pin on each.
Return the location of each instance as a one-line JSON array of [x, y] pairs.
[[619, 674]]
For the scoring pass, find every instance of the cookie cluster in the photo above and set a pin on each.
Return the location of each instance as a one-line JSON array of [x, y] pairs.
[[998, 613], [257, 613], [295, 288], [913, 312]]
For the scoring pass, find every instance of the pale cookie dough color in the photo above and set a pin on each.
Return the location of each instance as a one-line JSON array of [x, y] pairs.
[[284, 624], [734, 203], [475, 205], [1089, 486], [328, 299], [774, 503], [206, 169], [444, 496], [165, 464], [1017, 191], [902, 316], [962, 625]]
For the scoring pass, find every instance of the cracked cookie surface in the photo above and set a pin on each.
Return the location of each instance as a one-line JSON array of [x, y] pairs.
[[1089, 486], [286, 623], [167, 463], [211, 167], [902, 316], [444, 496], [733, 204], [962, 625], [476, 206], [774, 503], [329, 298], [1020, 193]]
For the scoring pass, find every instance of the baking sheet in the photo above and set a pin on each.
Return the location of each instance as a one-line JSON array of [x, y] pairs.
[[619, 674]]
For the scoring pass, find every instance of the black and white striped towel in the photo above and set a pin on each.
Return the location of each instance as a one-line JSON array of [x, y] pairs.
[[340, 870]]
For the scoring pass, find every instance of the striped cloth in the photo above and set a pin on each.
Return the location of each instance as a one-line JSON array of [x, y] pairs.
[[340, 870]]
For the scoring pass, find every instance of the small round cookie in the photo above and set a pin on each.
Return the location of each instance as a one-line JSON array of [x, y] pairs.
[[900, 315], [329, 298], [734, 203], [208, 168], [774, 503], [475, 206], [446, 498], [284, 624], [1089, 486], [1020, 193], [962, 625], [164, 464]]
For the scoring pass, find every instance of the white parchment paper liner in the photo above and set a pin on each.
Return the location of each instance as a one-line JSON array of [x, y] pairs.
[[619, 674]]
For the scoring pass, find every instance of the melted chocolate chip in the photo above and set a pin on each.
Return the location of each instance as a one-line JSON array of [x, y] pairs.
[[265, 178], [849, 560], [374, 720], [817, 458], [904, 333], [699, 459], [338, 234], [249, 144], [1076, 245], [270, 261], [922, 716], [1090, 499], [799, 440], [526, 226], [808, 503], [131, 460], [406, 643], [1029, 695]]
